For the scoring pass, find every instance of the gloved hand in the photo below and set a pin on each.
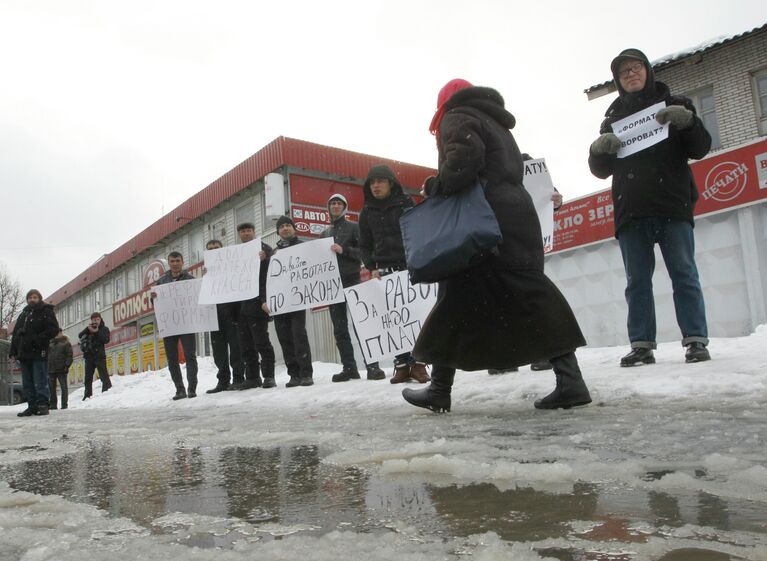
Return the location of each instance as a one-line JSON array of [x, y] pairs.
[[607, 143], [680, 117]]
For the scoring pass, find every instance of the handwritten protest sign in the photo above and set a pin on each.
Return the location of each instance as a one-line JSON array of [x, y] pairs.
[[640, 130], [538, 183], [177, 310], [388, 314], [303, 276], [231, 273]]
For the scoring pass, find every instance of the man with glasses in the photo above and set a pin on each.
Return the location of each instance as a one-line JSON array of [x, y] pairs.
[[654, 196]]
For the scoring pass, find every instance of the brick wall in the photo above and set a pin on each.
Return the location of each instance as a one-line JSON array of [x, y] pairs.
[[729, 69]]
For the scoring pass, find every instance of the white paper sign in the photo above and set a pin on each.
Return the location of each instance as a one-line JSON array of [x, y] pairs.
[[178, 312], [231, 273], [388, 314], [303, 276], [640, 130], [538, 183]]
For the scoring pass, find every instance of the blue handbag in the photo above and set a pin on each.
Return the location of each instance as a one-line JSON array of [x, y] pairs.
[[445, 235]]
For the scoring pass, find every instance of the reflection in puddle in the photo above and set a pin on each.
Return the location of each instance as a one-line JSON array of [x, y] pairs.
[[211, 497]]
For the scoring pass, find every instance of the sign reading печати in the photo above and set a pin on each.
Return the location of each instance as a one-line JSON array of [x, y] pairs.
[[388, 314], [178, 312], [640, 130], [231, 273], [303, 276]]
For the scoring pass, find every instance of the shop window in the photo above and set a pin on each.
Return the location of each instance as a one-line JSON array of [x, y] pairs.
[[196, 246], [760, 90], [245, 213], [705, 105], [119, 288]]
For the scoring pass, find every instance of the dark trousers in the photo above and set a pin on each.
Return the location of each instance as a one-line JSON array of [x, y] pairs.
[[34, 382], [62, 379], [341, 333], [676, 239], [255, 343], [291, 332], [189, 344], [92, 364], [226, 351]]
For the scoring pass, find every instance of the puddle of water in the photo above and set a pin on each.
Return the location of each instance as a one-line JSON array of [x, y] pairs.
[[274, 493]]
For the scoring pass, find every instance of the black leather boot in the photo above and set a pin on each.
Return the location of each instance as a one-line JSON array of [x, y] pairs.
[[570, 390], [640, 355], [437, 395]]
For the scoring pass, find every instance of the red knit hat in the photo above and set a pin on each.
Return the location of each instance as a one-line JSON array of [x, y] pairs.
[[443, 97]]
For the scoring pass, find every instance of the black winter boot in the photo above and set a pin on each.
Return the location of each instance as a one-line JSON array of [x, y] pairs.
[[307, 381], [28, 412], [294, 381], [638, 356], [437, 395], [570, 390], [269, 383], [180, 394], [346, 374], [696, 352], [220, 387], [42, 409]]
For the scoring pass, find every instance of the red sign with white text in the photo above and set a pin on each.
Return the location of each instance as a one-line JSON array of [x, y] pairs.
[[311, 221], [729, 179]]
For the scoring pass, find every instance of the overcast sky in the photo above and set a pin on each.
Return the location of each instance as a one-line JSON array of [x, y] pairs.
[[111, 112]]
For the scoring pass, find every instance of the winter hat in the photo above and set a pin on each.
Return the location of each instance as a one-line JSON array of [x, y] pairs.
[[634, 54], [245, 226], [285, 220], [443, 97], [34, 291]]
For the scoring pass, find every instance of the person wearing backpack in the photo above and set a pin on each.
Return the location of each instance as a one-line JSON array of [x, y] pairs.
[[92, 341]]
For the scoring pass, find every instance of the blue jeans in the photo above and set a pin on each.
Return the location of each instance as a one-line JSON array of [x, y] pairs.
[[676, 239], [34, 382]]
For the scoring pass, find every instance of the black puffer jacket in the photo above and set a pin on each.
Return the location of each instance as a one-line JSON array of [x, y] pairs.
[[475, 143], [96, 341], [59, 354], [347, 235], [35, 328], [252, 307], [380, 235], [656, 182]]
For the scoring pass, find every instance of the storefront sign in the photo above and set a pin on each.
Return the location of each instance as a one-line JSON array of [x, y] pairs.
[[312, 221], [154, 271]]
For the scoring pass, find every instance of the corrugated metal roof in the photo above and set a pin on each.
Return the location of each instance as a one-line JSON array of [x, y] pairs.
[[681, 55], [280, 152]]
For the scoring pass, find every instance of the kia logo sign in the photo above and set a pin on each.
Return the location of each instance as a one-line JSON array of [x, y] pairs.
[[726, 181], [302, 226]]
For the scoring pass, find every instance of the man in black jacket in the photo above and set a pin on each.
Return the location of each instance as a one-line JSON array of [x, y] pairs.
[[32, 334], [226, 341], [654, 196], [188, 340], [346, 236], [381, 246], [92, 341], [253, 324], [291, 327]]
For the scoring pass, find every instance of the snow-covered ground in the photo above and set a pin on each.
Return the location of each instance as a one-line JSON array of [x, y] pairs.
[[668, 430]]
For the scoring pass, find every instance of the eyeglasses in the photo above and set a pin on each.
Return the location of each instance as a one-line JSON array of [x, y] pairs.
[[635, 68]]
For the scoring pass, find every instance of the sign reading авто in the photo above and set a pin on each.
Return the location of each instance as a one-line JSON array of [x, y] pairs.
[[538, 184], [178, 312], [231, 273], [303, 276], [388, 314], [640, 130]]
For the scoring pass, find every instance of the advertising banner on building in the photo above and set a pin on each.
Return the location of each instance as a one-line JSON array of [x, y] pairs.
[[303, 276], [312, 221], [121, 363], [177, 310], [388, 314], [232, 273], [133, 360]]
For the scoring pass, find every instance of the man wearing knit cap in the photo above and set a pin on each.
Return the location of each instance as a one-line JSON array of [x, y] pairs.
[[654, 194], [346, 236], [291, 327], [381, 246]]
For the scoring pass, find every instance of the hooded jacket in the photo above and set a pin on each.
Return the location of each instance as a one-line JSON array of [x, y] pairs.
[[381, 243], [657, 181], [59, 354], [36, 326], [346, 234]]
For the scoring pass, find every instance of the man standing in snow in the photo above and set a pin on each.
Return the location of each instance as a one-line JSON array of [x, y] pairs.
[[291, 327], [226, 341], [654, 196], [92, 341], [188, 340], [382, 249], [254, 324]]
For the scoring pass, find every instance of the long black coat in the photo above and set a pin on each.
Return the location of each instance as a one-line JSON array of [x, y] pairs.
[[380, 235], [59, 355], [347, 235], [504, 312], [97, 341], [35, 328], [656, 182]]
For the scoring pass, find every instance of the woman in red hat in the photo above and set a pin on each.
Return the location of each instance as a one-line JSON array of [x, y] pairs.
[[504, 312]]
